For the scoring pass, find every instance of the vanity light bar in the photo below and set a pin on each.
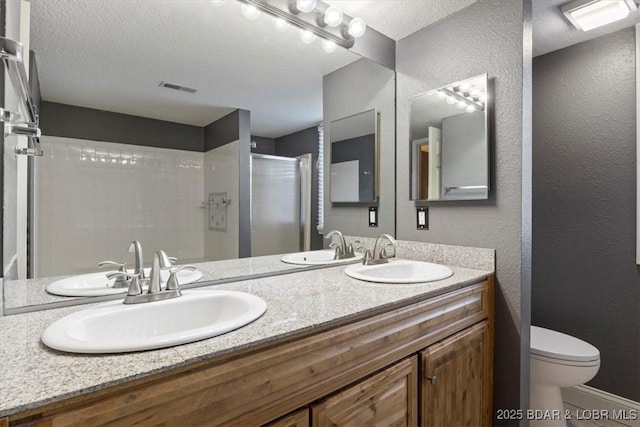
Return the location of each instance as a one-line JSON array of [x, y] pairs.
[[462, 97], [301, 21], [586, 15]]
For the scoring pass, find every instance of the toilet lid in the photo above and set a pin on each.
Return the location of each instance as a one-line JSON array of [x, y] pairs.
[[556, 345]]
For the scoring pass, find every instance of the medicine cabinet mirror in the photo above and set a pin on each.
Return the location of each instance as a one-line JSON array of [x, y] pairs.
[[450, 142], [353, 158]]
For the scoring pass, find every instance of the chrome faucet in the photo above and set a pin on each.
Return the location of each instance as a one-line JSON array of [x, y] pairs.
[[380, 255], [155, 292], [136, 248], [343, 251]]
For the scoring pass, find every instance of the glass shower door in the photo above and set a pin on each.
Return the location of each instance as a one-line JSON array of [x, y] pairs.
[[279, 204]]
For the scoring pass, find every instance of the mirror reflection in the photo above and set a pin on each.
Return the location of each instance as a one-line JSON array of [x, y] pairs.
[[449, 142], [181, 125], [353, 158]]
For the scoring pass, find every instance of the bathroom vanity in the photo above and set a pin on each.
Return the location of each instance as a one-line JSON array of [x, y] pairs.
[[330, 350]]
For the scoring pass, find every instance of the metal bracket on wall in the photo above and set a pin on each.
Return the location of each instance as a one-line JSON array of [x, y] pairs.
[[11, 54], [217, 211]]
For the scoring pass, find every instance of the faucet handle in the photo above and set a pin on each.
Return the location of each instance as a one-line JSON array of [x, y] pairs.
[[173, 259], [122, 266], [132, 279], [172, 282], [121, 281], [384, 254]]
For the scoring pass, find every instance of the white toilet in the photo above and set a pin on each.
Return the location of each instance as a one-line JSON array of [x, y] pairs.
[[557, 360]]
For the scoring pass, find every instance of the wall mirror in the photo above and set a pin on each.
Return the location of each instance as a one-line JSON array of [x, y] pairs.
[[354, 160], [450, 142], [108, 58]]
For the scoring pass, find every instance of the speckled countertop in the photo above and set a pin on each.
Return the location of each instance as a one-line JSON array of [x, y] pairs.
[[32, 375], [31, 292]]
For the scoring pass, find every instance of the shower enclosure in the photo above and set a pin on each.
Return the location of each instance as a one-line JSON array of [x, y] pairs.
[[280, 204]]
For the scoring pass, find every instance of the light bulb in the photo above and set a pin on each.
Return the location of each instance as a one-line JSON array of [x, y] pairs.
[[307, 36], [329, 45], [279, 23], [357, 27], [475, 92], [451, 100], [461, 104], [441, 95], [250, 12], [465, 87], [333, 16], [483, 97], [470, 109], [305, 5]]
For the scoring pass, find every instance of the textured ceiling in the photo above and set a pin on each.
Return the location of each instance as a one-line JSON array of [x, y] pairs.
[[551, 31], [112, 55]]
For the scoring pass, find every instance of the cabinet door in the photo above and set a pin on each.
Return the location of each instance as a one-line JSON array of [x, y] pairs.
[[386, 399], [457, 379], [298, 418]]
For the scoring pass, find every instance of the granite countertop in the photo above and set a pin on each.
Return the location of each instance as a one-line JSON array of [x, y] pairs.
[[32, 375], [31, 292]]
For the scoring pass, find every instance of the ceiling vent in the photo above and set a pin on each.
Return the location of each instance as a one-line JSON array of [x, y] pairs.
[[177, 87]]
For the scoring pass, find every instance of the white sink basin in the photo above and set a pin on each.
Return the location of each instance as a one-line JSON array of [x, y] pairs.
[[322, 257], [97, 284], [114, 327], [399, 271]]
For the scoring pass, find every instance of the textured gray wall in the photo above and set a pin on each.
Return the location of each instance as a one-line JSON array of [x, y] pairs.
[[97, 125], [585, 279], [263, 145], [486, 37], [223, 131], [297, 144], [359, 87]]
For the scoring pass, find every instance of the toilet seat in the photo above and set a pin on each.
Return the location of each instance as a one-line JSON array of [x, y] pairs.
[[556, 347]]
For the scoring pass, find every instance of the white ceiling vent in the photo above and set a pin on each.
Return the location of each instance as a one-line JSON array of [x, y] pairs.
[[177, 87]]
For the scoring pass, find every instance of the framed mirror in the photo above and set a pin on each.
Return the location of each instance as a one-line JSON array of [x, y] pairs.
[[449, 140], [354, 160]]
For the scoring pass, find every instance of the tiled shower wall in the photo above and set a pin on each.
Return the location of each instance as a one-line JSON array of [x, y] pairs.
[[94, 198], [221, 168]]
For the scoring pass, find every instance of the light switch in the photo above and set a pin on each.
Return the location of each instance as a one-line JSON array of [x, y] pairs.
[[422, 218], [373, 216]]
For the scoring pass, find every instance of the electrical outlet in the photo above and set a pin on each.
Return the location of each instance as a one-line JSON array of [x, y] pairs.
[[373, 216], [422, 218]]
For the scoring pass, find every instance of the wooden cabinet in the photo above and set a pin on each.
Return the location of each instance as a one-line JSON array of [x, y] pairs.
[[456, 382], [386, 399], [297, 419], [360, 372]]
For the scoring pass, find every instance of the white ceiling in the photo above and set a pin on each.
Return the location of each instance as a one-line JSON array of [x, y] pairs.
[[112, 55], [551, 31]]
